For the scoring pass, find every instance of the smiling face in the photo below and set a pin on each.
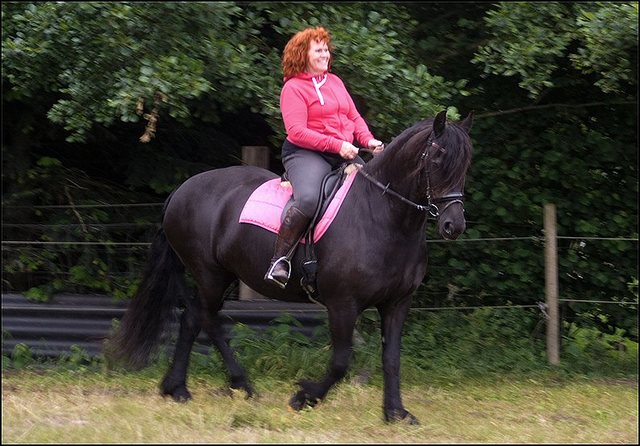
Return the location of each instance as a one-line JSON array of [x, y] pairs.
[[318, 57]]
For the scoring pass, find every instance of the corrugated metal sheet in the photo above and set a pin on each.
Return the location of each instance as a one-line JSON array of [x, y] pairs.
[[50, 329]]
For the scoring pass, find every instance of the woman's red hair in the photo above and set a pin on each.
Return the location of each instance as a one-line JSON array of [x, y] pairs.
[[294, 57]]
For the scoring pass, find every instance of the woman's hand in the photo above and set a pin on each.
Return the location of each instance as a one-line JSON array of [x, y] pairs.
[[348, 151], [376, 146]]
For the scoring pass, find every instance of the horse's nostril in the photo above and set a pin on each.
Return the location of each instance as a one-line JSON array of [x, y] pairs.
[[448, 228]]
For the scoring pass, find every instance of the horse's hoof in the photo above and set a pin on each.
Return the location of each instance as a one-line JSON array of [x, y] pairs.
[[395, 415], [301, 400], [242, 384], [248, 391], [179, 395], [298, 401]]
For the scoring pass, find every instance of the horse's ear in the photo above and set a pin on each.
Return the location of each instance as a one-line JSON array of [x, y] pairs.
[[467, 122], [439, 122]]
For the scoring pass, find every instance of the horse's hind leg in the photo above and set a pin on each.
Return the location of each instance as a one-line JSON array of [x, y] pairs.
[[342, 321], [211, 298], [174, 382], [237, 375]]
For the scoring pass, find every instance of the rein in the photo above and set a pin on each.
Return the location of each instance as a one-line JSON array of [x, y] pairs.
[[431, 205]]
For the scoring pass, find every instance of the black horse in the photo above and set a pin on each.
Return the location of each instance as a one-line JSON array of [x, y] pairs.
[[373, 255]]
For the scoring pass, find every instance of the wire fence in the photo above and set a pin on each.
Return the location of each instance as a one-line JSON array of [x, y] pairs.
[[124, 246]]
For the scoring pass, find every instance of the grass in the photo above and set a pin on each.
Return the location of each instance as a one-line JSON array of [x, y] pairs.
[[58, 405]]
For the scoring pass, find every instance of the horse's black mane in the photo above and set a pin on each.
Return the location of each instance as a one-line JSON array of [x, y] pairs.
[[402, 155]]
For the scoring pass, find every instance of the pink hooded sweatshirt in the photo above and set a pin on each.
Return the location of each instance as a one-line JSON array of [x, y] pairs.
[[319, 113]]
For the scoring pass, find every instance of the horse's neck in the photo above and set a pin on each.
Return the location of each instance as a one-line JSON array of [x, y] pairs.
[[398, 179], [393, 164], [384, 209]]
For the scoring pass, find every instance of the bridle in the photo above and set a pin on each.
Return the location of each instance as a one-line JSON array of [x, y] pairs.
[[432, 203]]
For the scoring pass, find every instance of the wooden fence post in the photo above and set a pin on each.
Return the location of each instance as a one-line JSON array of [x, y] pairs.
[[551, 284], [253, 156], [256, 156]]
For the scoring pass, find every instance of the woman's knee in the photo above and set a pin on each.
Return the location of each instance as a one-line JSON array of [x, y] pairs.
[[306, 202]]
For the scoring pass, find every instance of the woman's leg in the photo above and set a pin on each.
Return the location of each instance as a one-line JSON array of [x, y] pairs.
[[305, 170]]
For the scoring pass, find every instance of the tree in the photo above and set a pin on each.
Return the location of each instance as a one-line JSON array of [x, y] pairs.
[[532, 41], [557, 96], [108, 61]]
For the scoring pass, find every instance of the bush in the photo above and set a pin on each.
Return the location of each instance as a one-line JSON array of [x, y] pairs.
[[586, 350], [447, 344]]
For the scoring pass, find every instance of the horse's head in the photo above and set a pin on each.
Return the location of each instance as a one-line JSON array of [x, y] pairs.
[[425, 167], [442, 154]]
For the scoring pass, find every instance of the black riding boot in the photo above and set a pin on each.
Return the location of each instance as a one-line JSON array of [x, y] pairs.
[[293, 226]]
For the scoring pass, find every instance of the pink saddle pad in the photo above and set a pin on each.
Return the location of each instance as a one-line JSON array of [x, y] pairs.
[[265, 205]]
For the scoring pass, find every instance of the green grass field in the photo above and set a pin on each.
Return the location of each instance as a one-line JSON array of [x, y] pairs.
[[89, 406]]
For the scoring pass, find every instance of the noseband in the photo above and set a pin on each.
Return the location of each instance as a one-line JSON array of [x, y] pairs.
[[432, 203]]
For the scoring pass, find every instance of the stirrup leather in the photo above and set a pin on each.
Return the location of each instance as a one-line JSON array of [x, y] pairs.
[[269, 275]]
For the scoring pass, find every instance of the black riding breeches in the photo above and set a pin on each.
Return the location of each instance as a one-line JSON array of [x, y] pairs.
[[306, 170]]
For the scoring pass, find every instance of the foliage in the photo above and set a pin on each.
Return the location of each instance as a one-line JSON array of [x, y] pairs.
[[484, 340], [279, 351], [532, 41], [591, 351], [110, 61], [91, 254], [579, 160], [371, 55], [450, 344], [562, 148], [103, 59], [21, 356]]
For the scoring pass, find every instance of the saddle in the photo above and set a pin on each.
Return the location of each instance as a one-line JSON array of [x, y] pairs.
[[268, 204]]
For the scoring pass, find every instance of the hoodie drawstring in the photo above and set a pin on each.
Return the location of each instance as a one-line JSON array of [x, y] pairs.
[[318, 85]]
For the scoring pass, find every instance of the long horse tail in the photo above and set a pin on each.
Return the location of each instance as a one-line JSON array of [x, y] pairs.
[[162, 287]]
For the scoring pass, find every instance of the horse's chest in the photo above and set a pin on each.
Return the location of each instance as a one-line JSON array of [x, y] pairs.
[[377, 269]]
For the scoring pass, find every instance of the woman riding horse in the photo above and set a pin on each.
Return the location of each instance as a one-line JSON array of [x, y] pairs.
[[374, 255], [321, 121]]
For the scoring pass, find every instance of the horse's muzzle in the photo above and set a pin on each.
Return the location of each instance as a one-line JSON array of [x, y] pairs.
[[452, 224]]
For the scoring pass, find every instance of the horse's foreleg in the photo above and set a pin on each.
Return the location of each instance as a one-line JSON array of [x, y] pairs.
[[175, 380], [341, 322], [393, 316]]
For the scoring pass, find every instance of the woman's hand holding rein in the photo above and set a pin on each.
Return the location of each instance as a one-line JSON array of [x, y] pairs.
[[376, 145], [348, 151]]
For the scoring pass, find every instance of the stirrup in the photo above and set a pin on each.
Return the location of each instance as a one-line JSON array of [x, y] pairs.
[[269, 275]]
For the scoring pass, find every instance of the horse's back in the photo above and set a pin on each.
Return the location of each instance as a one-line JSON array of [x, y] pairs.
[[211, 199], [213, 186], [222, 179]]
